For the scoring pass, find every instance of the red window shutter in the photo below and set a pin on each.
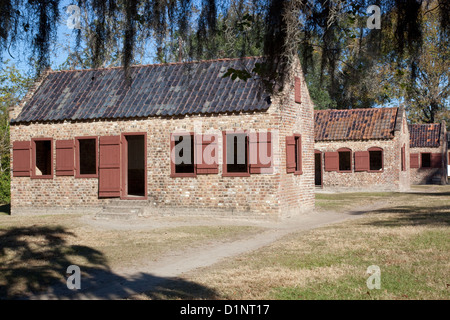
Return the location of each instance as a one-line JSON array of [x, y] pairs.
[[290, 154], [207, 154], [403, 158], [298, 90], [21, 158], [436, 160], [260, 145], [331, 161], [362, 161], [109, 167], [414, 160], [65, 158]]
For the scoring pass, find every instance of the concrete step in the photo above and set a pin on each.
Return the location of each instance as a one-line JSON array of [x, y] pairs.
[[129, 203], [119, 212], [115, 216], [436, 180]]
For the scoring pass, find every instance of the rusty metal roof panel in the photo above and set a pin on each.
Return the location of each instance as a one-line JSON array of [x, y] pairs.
[[354, 124], [424, 135], [154, 90]]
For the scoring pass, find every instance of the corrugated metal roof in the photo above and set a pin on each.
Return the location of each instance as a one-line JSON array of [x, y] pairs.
[[424, 135], [354, 124], [155, 90]]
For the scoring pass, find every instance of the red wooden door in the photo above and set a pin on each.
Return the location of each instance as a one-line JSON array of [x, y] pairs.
[[109, 167]]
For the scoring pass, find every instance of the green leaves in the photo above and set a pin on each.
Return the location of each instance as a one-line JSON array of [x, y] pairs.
[[13, 86], [237, 73]]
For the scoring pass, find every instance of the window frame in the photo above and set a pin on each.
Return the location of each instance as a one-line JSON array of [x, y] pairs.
[[173, 173], [77, 157], [298, 155], [403, 157], [225, 172], [421, 161], [350, 159], [382, 159], [33, 159]]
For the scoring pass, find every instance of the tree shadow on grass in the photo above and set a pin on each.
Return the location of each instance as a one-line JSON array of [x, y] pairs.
[[34, 261], [414, 216]]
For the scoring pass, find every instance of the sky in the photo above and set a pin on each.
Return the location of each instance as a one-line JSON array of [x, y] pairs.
[[65, 35]]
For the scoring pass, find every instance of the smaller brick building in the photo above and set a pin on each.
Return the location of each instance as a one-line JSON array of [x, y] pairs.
[[362, 149], [429, 153]]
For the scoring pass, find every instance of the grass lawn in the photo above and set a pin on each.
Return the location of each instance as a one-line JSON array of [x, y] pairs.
[[35, 251], [408, 240]]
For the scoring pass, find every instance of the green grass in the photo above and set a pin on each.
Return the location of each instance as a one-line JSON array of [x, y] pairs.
[[346, 201], [407, 238], [412, 268]]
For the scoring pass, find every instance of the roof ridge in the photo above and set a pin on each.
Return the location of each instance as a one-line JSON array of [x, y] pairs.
[[424, 124], [355, 109], [159, 64]]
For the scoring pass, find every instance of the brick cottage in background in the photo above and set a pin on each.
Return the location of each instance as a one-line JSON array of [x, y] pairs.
[[85, 139], [429, 153], [362, 149]]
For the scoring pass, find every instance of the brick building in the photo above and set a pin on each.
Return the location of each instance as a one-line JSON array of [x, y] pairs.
[[429, 153], [362, 149], [83, 139]]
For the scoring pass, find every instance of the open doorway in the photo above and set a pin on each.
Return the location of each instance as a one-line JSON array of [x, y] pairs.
[[318, 168], [134, 177]]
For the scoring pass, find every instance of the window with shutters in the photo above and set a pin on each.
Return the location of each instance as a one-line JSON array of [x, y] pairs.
[[42, 160], [294, 154], [65, 163], [182, 155], [436, 160], [236, 154], [206, 151], [375, 159], [21, 158], [362, 161], [414, 160], [260, 152], [298, 90], [331, 161], [298, 154], [345, 160], [403, 158], [86, 157], [425, 160]]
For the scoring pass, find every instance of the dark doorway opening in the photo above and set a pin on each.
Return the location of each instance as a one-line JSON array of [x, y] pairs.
[[135, 177], [318, 168]]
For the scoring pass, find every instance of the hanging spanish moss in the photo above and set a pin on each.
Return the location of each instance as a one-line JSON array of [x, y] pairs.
[[285, 27]]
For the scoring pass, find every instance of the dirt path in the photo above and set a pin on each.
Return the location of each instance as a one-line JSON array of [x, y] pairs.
[[120, 283]]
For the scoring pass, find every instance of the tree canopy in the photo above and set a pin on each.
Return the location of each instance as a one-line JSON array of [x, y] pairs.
[[283, 26]]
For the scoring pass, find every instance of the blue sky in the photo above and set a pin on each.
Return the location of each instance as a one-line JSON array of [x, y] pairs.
[[20, 54]]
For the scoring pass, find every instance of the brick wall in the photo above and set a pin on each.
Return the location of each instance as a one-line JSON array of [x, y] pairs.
[[297, 191], [260, 194], [391, 178]]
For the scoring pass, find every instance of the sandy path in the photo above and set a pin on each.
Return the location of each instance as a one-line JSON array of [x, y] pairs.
[[119, 283]]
